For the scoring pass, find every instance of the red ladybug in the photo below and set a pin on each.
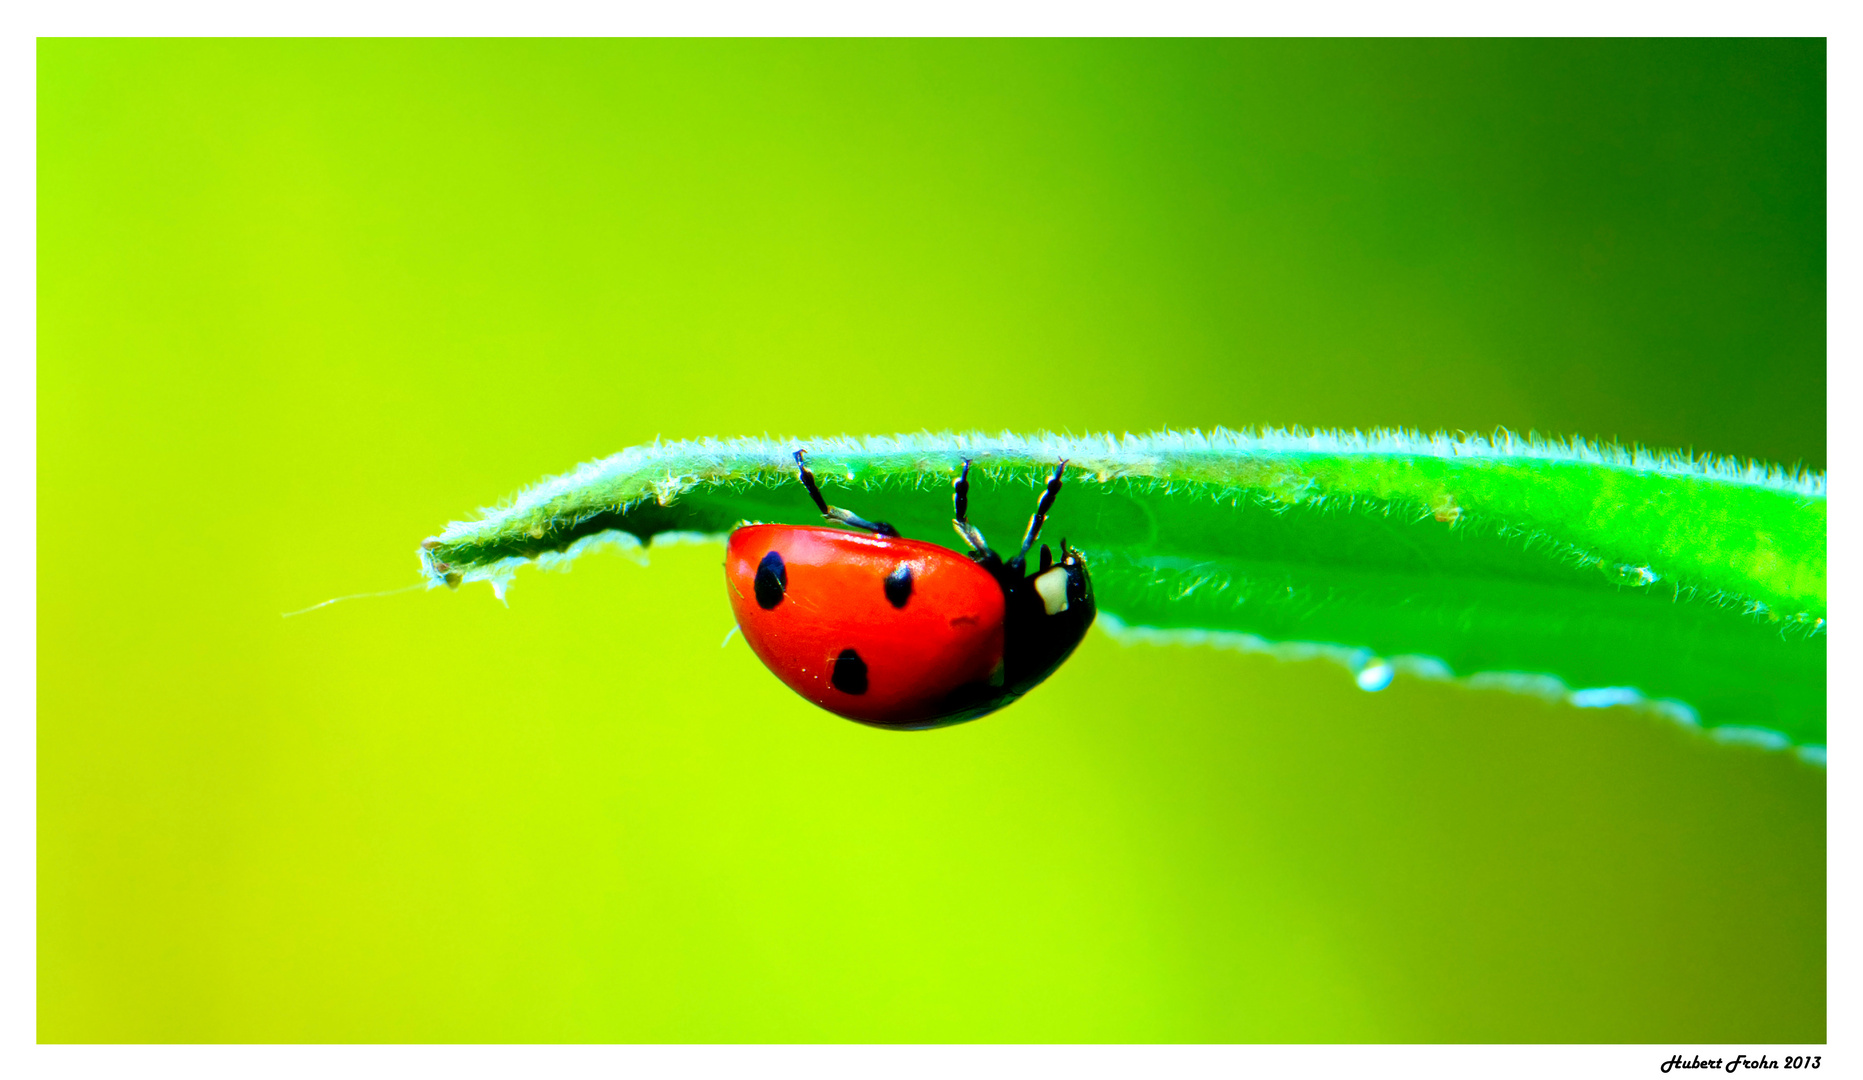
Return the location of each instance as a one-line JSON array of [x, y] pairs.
[[900, 633]]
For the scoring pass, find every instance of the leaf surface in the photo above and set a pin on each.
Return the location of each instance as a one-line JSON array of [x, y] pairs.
[[1598, 575]]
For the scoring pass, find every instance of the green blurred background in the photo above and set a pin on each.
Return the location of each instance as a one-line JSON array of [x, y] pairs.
[[302, 303]]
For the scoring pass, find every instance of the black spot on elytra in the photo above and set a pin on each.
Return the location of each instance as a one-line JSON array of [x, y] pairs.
[[772, 581], [899, 585], [850, 673]]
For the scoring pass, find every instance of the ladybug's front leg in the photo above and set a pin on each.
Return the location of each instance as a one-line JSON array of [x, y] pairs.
[[835, 513], [1041, 514]]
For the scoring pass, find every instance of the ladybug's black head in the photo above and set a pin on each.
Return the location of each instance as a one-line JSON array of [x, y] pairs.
[[1062, 586], [1047, 611]]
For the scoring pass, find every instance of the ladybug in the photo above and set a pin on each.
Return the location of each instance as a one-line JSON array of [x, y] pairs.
[[901, 633]]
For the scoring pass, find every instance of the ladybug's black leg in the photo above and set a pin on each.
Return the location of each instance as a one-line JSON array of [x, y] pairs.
[[1041, 513], [961, 498], [835, 513]]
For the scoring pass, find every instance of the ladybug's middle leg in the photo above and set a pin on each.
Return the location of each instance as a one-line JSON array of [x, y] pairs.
[[835, 513], [960, 498]]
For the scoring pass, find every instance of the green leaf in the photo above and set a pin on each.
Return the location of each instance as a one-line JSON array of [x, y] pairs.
[[1601, 576]]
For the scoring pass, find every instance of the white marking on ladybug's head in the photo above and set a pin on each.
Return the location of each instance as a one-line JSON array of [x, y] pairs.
[[1052, 588]]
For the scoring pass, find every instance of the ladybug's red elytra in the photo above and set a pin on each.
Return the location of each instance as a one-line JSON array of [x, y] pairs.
[[900, 633]]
